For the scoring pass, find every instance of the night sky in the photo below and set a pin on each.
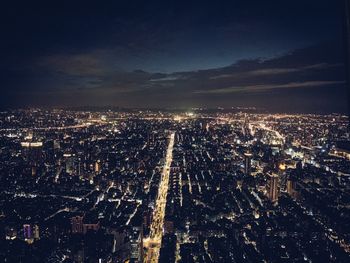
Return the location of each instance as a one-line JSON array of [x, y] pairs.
[[279, 55]]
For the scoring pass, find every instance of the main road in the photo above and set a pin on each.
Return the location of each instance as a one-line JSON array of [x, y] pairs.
[[154, 242]]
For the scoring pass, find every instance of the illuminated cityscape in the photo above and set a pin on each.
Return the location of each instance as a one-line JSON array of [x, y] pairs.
[[175, 131], [163, 186]]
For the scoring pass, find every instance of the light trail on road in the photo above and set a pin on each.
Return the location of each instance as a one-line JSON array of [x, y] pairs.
[[153, 244]]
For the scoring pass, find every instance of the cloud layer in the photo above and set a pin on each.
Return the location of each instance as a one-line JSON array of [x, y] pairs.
[[303, 79]]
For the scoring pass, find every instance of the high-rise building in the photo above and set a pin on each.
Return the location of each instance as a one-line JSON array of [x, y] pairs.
[[272, 187], [136, 245], [70, 160], [27, 231], [120, 245], [49, 151], [292, 187], [36, 233], [247, 163], [245, 126], [98, 166], [32, 154], [282, 174]]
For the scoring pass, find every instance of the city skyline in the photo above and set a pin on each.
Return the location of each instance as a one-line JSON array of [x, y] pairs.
[[173, 187], [175, 131]]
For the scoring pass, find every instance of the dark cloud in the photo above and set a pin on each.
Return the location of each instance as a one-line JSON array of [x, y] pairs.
[[172, 53], [307, 75]]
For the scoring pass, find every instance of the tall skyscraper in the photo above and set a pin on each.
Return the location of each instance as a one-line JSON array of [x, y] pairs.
[[247, 163], [136, 244], [282, 174], [32, 154], [36, 232], [27, 231], [272, 187], [291, 187], [98, 166], [244, 126], [49, 151]]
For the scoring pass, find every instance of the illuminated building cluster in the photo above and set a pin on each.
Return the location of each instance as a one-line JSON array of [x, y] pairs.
[[149, 186]]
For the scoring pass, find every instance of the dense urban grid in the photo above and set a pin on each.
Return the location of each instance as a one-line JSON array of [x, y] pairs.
[[232, 185]]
